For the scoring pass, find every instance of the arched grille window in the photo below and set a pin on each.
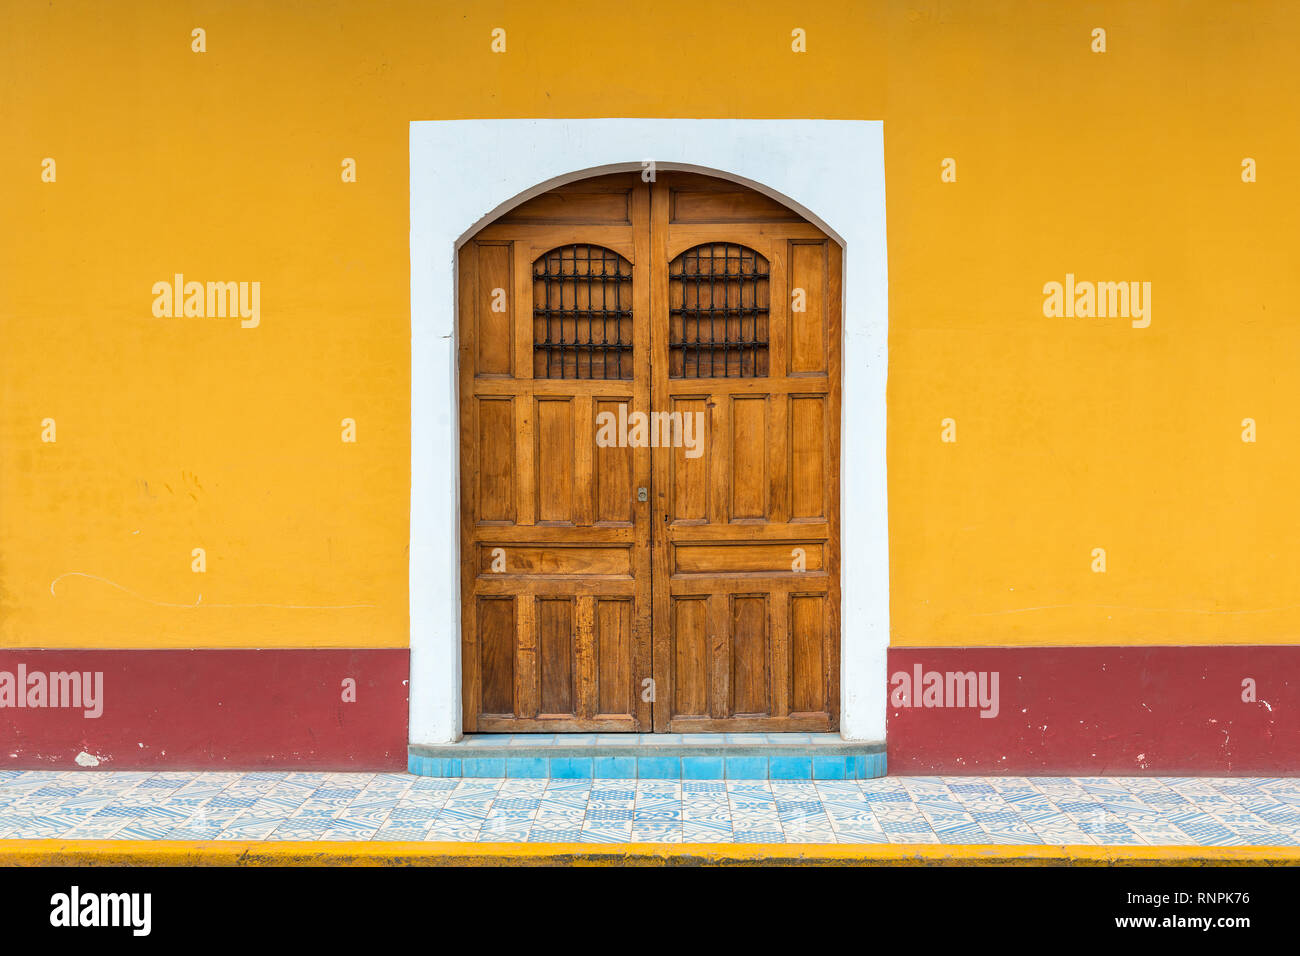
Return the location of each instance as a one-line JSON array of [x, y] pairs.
[[582, 314], [718, 312]]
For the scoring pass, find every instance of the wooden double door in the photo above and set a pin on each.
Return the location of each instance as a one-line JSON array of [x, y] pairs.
[[649, 378]]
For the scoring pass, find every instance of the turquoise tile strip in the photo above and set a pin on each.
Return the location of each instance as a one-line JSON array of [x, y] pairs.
[[653, 757]]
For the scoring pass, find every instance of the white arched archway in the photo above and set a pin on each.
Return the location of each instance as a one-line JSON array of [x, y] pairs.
[[465, 173]]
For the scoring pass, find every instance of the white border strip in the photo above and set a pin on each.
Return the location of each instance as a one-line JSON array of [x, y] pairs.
[[466, 172]]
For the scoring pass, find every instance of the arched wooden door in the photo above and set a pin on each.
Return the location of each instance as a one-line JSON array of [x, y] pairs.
[[649, 418]]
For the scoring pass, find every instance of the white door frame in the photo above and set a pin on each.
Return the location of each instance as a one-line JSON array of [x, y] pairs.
[[464, 173]]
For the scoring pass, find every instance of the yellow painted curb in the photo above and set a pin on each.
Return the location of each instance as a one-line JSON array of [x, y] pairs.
[[330, 853]]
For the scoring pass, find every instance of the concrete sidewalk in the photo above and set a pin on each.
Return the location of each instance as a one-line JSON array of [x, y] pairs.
[[906, 818]]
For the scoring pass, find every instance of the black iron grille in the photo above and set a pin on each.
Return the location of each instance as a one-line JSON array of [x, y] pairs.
[[582, 314], [718, 322]]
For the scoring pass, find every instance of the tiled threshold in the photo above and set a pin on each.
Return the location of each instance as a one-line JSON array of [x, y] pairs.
[[651, 757]]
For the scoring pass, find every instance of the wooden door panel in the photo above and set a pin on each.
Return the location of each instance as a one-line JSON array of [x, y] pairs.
[[586, 206], [555, 553], [747, 538], [690, 489], [496, 627], [809, 282], [808, 443], [747, 474], [695, 197], [691, 644], [747, 557], [750, 648], [506, 560], [613, 690], [747, 659], [554, 459], [752, 235], [496, 459], [555, 653], [598, 200], [614, 494], [493, 321], [695, 301], [806, 677]]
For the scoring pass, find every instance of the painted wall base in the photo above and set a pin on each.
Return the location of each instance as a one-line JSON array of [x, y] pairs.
[[220, 709], [1115, 711], [1222, 710]]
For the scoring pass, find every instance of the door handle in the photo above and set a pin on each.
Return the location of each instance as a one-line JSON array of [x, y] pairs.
[[642, 494]]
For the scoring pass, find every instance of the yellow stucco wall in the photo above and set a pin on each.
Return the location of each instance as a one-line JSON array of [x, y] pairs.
[[1073, 434]]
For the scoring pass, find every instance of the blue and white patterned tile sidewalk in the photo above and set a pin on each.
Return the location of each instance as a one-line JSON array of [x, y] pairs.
[[1110, 811]]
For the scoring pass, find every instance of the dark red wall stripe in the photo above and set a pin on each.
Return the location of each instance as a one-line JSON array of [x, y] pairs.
[[1061, 710], [212, 710], [1105, 711]]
